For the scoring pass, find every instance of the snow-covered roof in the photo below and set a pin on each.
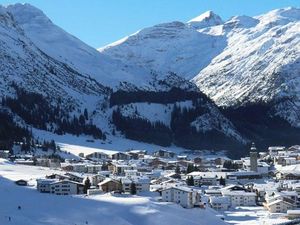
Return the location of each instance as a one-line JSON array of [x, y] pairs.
[[219, 200]]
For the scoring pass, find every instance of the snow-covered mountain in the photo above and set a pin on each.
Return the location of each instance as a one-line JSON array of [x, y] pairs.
[[177, 47], [245, 60], [52, 80], [261, 63]]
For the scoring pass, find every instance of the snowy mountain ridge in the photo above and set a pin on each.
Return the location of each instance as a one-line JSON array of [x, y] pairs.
[[241, 61], [67, 77], [133, 86]]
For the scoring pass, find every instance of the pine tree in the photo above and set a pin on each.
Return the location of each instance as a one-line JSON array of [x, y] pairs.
[[87, 185], [86, 115], [177, 170], [133, 188], [192, 181], [190, 168], [222, 181]]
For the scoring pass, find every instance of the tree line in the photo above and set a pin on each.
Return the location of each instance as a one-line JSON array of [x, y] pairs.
[[35, 110]]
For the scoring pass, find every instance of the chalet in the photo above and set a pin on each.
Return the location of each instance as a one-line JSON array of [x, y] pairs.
[[97, 156], [137, 154], [120, 156], [164, 154], [110, 185], [57, 176], [119, 169], [76, 177], [279, 205]]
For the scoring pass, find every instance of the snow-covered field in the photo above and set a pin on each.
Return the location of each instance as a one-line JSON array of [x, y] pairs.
[[80, 144], [252, 216], [40, 209]]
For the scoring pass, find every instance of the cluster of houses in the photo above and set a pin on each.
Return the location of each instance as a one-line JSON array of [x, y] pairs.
[[268, 179]]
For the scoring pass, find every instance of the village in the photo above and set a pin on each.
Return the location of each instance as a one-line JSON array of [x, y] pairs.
[[268, 179]]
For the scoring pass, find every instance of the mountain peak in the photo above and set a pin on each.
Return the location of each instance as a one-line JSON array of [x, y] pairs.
[[207, 19]]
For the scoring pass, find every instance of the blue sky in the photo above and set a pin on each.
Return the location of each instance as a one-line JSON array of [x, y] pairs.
[[100, 22]]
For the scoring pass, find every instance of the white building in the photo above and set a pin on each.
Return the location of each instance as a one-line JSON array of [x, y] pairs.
[[220, 202], [279, 206], [142, 184], [240, 198], [184, 196], [66, 187], [43, 185]]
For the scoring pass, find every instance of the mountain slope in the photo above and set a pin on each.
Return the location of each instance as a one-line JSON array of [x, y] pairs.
[[243, 64], [175, 47], [40, 89], [57, 83], [68, 49], [260, 64]]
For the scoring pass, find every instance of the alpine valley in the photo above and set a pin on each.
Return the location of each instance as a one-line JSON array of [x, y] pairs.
[[201, 84]]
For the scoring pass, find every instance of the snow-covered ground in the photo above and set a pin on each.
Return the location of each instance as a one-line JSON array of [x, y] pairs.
[[46, 209], [252, 216], [86, 144]]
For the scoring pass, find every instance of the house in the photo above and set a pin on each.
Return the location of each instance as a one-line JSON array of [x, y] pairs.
[[66, 187], [157, 163], [219, 203], [77, 177], [136, 154], [240, 198], [290, 197], [47, 162], [142, 184], [119, 169], [273, 150], [279, 205], [66, 166], [213, 192], [246, 175], [21, 182], [97, 156], [43, 185], [95, 179], [120, 156], [4, 154], [57, 176], [205, 180], [79, 167], [91, 168], [164, 154], [184, 196], [109, 185]]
